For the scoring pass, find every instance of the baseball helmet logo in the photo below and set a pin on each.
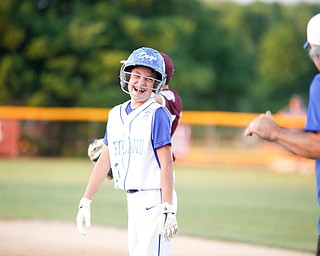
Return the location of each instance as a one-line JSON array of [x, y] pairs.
[[147, 56]]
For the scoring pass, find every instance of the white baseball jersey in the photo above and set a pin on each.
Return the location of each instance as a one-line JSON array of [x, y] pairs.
[[132, 144]]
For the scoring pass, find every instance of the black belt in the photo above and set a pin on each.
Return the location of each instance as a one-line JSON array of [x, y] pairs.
[[131, 191]]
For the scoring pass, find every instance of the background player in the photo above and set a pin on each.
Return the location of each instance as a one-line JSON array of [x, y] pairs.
[[170, 98], [295, 107], [138, 149], [304, 143]]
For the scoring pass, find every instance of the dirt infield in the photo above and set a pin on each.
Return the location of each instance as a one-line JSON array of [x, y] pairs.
[[55, 238]]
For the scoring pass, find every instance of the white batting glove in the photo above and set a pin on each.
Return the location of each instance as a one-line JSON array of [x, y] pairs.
[[83, 215], [168, 224]]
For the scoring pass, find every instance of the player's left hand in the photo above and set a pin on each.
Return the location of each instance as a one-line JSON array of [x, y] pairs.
[[84, 215], [168, 224]]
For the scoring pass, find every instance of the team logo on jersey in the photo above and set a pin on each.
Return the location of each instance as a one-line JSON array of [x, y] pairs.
[[147, 114], [130, 146]]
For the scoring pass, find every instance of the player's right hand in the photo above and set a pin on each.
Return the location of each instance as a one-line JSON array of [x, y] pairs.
[[84, 215]]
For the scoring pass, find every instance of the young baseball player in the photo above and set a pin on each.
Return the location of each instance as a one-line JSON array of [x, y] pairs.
[[138, 149], [307, 142], [167, 97]]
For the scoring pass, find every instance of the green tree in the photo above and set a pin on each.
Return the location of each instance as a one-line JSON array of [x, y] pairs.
[[227, 56]]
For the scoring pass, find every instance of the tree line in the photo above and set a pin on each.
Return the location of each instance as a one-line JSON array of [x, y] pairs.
[[227, 56]]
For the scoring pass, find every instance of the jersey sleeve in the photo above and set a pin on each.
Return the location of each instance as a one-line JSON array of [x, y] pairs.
[[313, 114], [161, 128]]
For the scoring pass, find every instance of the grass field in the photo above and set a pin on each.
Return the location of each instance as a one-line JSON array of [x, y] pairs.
[[253, 206]]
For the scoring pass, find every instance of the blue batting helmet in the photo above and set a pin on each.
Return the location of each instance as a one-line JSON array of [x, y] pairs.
[[146, 57]]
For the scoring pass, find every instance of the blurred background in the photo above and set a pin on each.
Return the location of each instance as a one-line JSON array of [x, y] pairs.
[[230, 56], [59, 77]]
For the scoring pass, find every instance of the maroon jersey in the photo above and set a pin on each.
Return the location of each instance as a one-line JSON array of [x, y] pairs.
[[173, 103]]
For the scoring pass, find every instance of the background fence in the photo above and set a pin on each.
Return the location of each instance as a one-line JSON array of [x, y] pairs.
[[202, 138]]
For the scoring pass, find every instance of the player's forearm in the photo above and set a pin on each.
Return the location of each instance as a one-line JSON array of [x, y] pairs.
[[98, 175], [167, 185], [304, 144], [166, 163]]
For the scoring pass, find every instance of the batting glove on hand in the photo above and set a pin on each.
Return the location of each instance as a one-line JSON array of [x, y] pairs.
[[168, 224], [83, 215]]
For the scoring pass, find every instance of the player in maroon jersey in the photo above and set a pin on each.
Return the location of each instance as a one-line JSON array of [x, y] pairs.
[[168, 97]]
